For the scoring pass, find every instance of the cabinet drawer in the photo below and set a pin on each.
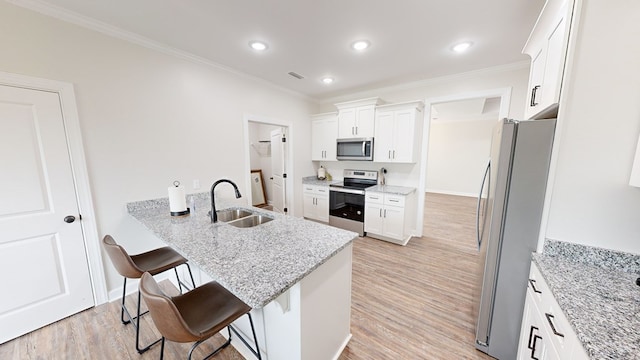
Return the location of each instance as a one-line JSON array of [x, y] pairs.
[[315, 189], [562, 336], [394, 200], [374, 198], [540, 292], [560, 332]]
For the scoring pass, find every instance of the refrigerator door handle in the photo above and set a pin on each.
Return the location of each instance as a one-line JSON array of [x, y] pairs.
[[485, 178]]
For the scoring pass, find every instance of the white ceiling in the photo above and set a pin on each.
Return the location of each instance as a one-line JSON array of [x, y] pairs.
[[411, 39]]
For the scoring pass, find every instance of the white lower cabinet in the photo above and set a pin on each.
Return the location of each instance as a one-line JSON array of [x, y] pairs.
[[546, 333], [316, 202], [385, 218]]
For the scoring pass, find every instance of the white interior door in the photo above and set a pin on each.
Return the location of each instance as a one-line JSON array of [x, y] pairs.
[[278, 184], [42, 258]]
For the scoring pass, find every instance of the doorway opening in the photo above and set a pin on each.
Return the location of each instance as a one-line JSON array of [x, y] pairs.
[[457, 135], [268, 164]]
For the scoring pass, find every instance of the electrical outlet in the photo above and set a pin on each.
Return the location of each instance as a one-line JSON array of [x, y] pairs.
[[196, 184]]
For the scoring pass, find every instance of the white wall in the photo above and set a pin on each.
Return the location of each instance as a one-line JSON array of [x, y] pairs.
[[458, 154], [591, 201], [147, 118]]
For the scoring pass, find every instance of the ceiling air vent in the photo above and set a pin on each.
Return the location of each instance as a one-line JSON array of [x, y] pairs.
[[296, 75]]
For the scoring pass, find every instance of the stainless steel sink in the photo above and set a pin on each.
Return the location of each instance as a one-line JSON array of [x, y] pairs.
[[232, 214], [250, 221]]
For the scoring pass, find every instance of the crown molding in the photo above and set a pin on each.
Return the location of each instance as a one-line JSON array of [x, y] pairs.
[[425, 82], [116, 32]]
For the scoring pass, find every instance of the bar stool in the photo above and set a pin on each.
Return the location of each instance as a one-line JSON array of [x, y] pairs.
[[133, 266], [196, 315]]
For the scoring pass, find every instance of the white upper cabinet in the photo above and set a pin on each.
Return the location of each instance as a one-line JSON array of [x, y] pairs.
[[356, 118], [324, 131], [397, 132], [547, 47]]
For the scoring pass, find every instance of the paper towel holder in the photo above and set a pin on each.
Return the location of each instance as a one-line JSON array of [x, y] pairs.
[[179, 213]]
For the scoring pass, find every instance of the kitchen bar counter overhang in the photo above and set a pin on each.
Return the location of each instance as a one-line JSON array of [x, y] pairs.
[[295, 273]]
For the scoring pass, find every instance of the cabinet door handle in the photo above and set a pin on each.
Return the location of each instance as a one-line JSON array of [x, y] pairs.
[[385, 213], [553, 327], [353, 130], [533, 348], [389, 154], [356, 130], [534, 92], [533, 286], [394, 154], [394, 200], [530, 346]]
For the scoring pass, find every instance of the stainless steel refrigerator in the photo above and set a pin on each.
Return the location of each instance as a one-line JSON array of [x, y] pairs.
[[508, 223]]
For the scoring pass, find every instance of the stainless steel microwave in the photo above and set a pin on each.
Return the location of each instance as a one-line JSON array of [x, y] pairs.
[[355, 149]]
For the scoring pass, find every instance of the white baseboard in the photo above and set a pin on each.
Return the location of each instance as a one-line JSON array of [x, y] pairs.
[[456, 193], [344, 345]]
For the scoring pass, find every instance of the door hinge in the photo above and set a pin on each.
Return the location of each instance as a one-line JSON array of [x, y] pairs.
[[284, 139], [79, 216], [284, 176], [285, 210]]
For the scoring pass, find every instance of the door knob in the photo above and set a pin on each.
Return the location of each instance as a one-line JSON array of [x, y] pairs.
[[69, 219]]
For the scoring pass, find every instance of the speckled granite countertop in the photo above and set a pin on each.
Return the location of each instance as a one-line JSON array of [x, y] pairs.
[[256, 264], [390, 189], [597, 293], [313, 180]]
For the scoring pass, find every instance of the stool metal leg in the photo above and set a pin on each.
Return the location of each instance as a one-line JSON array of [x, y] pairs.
[[181, 283], [255, 352], [137, 325], [135, 321]]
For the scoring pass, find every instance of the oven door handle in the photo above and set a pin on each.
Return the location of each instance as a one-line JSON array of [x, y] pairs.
[[350, 191]]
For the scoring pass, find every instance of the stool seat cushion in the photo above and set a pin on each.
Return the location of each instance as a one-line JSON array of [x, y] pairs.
[[192, 316], [133, 266], [158, 260], [209, 308]]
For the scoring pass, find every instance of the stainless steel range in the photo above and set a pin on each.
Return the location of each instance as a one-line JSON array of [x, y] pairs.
[[346, 199]]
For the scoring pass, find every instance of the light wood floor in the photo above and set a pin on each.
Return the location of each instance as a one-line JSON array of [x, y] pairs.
[[412, 302]]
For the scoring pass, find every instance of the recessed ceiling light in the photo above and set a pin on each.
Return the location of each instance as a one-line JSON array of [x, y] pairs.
[[327, 80], [462, 47], [258, 45], [360, 45]]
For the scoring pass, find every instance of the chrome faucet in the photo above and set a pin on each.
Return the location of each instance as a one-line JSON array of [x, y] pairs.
[[214, 215]]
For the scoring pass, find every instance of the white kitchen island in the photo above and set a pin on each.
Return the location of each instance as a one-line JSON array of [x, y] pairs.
[[294, 273]]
